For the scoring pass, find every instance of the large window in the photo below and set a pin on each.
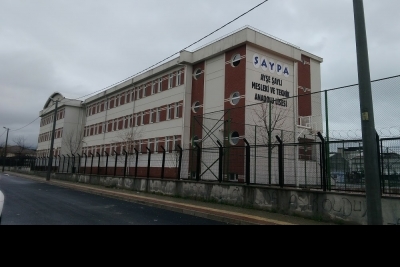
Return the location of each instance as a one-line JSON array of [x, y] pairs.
[[176, 110], [169, 111], [158, 115], [159, 84], [153, 87], [151, 116], [156, 144], [178, 78], [170, 80], [166, 144]]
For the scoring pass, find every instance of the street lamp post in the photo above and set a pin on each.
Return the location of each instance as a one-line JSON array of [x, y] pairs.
[[5, 149], [52, 141]]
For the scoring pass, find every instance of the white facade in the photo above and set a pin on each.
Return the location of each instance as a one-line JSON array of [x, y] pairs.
[[137, 115]]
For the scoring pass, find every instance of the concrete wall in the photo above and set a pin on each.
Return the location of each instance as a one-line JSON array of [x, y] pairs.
[[330, 206]]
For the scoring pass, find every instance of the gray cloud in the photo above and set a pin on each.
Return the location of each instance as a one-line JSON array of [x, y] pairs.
[[80, 47]]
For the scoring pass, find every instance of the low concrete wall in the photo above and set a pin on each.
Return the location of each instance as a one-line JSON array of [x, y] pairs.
[[337, 207]]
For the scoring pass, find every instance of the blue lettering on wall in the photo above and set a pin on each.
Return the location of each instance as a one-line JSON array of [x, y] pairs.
[[255, 60], [269, 64], [264, 64]]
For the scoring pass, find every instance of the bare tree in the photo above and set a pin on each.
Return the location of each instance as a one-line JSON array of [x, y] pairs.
[[72, 141], [21, 146], [271, 117], [127, 138]]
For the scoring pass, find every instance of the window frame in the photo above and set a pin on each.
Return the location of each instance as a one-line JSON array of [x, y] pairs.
[[178, 78]]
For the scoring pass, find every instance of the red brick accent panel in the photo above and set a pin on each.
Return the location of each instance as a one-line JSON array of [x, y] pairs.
[[164, 83], [304, 81], [235, 81], [146, 117], [122, 100], [163, 113], [197, 95]]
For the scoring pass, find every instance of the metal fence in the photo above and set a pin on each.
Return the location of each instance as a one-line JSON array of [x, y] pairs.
[[325, 153], [300, 165]]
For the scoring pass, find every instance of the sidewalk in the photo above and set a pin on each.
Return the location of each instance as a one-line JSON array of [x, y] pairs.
[[219, 212]]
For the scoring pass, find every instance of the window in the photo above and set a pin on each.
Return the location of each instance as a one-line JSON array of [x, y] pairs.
[[127, 96], [151, 116], [176, 110], [138, 92], [178, 78], [196, 106], [166, 144], [153, 88], [197, 73], [170, 80], [132, 94], [175, 142], [156, 144], [169, 111], [234, 138], [235, 60], [235, 97], [159, 84], [158, 114]]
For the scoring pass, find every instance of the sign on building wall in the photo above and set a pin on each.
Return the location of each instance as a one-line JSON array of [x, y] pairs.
[[269, 81]]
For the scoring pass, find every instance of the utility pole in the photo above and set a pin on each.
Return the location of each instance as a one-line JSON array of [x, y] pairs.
[[52, 142], [371, 167], [5, 149]]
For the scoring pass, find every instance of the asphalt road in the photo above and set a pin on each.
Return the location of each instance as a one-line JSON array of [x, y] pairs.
[[29, 202]]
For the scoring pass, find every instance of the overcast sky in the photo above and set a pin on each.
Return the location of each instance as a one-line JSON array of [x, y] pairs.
[[81, 47]]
